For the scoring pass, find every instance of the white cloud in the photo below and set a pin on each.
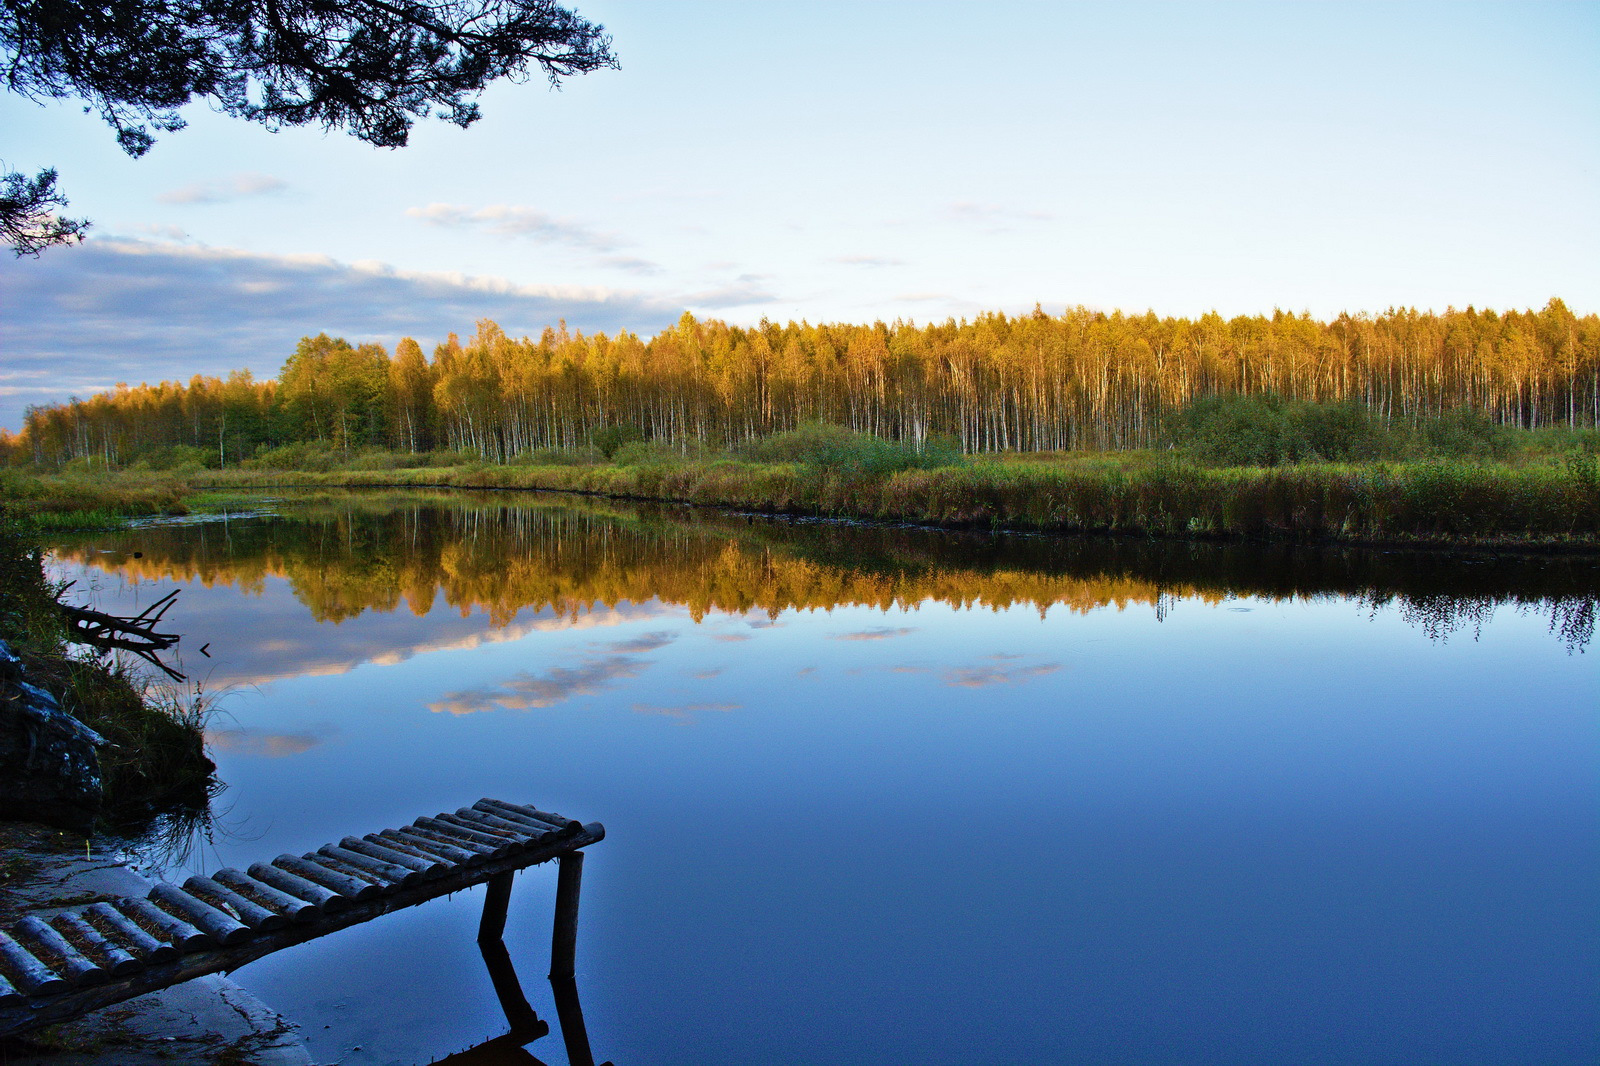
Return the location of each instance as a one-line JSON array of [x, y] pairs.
[[222, 190], [516, 220], [968, 210], [868, 261]]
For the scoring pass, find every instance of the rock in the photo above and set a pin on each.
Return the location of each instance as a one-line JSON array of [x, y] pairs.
[[49, 761]]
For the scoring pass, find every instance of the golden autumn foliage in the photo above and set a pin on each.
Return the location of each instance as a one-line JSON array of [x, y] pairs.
[[1081, 379]]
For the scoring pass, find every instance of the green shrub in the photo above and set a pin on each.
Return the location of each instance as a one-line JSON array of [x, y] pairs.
[[1464, 433], [835, 448], [1265, 429], [301, 455], [610, 438], [175, 457]]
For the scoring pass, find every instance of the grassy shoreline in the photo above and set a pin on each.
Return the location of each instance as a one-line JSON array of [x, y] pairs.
[[1440, 503]]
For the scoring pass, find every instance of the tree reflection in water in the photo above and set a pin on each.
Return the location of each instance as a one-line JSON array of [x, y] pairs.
[[346, 554]]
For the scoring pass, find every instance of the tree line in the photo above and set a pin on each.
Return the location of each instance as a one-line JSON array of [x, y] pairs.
[[1081, 379]]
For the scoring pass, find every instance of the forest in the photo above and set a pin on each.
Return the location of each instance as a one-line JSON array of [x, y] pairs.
[[1082, 379]]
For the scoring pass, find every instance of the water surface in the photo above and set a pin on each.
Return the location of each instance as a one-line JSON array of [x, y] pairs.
[[881, 795]]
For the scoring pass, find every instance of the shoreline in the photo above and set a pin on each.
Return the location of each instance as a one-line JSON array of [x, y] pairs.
[[1428, 506]]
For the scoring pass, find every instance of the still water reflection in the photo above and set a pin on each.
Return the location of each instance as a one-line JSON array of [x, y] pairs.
[[888, 795]]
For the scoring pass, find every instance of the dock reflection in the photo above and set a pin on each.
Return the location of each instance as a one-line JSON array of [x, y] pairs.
[[510, 1048]]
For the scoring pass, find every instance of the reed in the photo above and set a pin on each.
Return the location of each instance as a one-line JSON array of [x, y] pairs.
[[1531, 496]]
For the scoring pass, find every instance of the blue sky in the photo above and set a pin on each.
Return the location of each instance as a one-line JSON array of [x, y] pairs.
[[850, 162]]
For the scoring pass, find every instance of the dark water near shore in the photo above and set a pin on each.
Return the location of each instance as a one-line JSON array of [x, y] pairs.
[[897, 796]]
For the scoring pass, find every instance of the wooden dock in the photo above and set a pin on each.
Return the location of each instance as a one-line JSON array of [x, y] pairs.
[[78, 959]]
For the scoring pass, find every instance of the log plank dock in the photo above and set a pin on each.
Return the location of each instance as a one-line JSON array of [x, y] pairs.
[[79, 959]]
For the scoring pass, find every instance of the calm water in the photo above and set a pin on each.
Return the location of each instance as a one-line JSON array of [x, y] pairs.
[[894, 796]]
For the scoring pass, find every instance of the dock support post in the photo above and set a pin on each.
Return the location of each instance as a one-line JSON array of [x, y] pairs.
[[564, 936], [495, 901]]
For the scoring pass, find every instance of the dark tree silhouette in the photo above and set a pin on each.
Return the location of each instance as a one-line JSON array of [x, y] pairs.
[[28, 221], [371, 67]]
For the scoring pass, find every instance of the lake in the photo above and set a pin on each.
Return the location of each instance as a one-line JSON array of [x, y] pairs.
[[893, 795]]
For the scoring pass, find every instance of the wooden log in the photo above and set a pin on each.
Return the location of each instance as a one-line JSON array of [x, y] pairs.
[[475, 852], [221, 926], [564, 933], [226, 899], [44, 942], [428, 867], [31, 974], [492, 925], [431, 845], [114, 959], [523, 830], [516, 812], [298, 886], [497, 846], [354, 873], [328, 878], [471, 819], [126, 932], [392, 839], [291, 907], [392, 872], [560, 821], [504, 842], [175, 931], [9, 996]]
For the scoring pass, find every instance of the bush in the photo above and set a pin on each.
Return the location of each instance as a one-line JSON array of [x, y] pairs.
[[301, 455], [1266, 429], [610, 438], [835, 448], [1464, 432], [175, 457], [657, 453], [557, 457]]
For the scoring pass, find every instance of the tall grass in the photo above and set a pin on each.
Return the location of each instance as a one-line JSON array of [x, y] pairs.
[[1517, 491]]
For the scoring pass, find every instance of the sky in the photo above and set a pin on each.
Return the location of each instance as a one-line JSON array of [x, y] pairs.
[[848, 162]]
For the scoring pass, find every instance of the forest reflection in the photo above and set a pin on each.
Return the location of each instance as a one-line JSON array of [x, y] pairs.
[[346, 554]]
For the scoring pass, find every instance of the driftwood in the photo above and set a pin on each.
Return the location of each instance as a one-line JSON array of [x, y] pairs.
[[136, 633]]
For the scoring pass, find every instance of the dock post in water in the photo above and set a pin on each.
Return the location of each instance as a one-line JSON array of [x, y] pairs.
[[495, 902], [564, 936]]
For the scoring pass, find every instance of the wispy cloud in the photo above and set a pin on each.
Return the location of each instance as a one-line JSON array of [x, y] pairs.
[[685, 713], [967, 210], [631, 265], [516, 220], [868, 261], [983, 676], [642, 643], [557, 685], [261, 743], [876, 633], [737, 295], [222, 190]]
